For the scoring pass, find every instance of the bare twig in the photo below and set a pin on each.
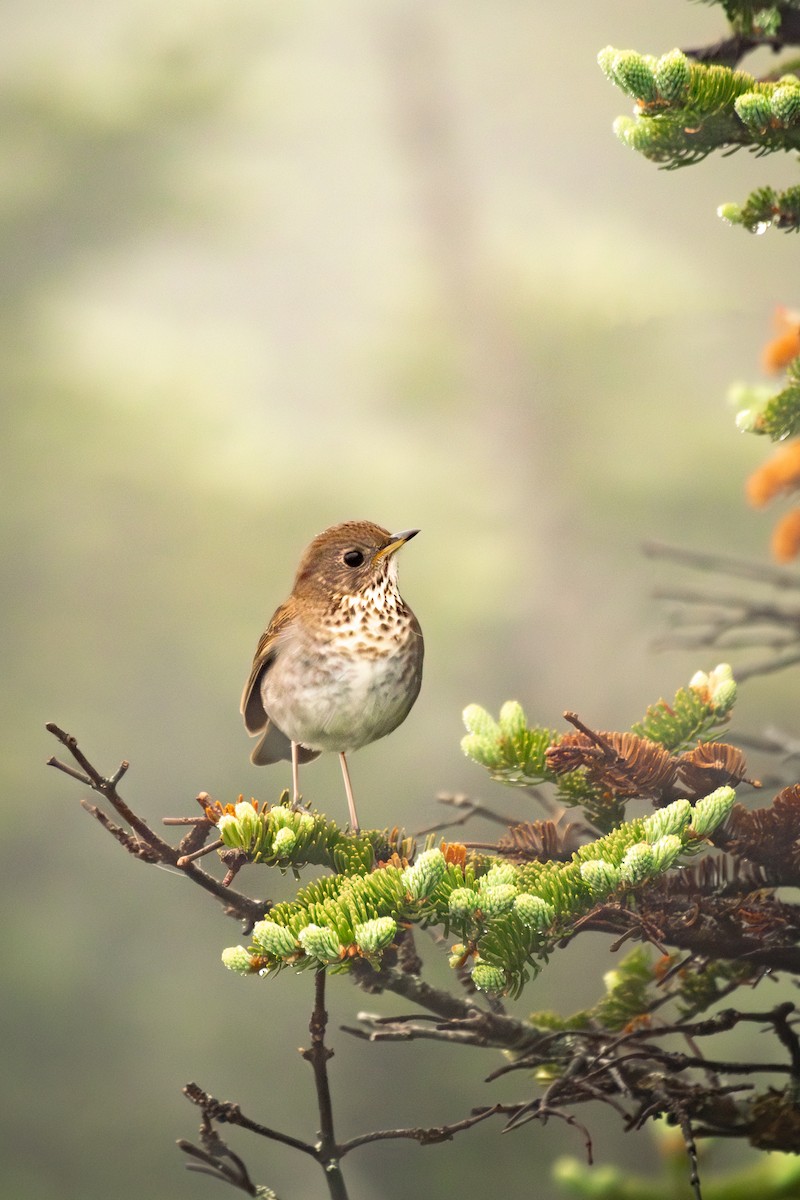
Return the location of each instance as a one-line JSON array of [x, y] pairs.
[[726, 564], [216, 1159], [484, 1028], [144, 843], [327, 1153], [469, 809], [731, 620], [426, 1136]]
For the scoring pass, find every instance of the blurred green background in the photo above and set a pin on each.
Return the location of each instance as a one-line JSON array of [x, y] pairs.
[[268, 267]]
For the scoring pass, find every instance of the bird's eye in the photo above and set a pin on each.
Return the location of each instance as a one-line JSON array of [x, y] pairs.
[[353, 558]]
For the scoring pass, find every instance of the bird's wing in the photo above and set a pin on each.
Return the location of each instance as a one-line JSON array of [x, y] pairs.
[[252, 707]]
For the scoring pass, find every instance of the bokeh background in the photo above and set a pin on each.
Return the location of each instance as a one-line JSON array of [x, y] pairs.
[[268, 267]]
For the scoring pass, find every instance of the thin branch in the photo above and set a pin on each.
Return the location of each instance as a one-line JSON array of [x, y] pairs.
[[327, 1152], [729, 51], [485, 1028], [766, 666], [731, 621], [426, 1136], [469, 808], [217, 1159], [225, 1113], [144, 843], [405, 1029], [726, 564]]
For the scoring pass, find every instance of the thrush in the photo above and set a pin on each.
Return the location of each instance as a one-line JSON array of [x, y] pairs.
[[340, 663]]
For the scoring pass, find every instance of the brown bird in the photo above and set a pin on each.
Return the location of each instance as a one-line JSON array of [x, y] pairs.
[[340, 663]]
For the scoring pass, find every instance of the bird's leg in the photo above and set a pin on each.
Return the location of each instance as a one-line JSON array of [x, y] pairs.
[[348, 787], [295, 775]]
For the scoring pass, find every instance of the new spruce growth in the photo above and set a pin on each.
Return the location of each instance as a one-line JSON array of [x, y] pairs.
[[506, 915]]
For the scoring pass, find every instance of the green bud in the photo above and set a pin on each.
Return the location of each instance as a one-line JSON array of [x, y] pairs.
[[712, 810], [457, 955], [605, 61], [612, 979], [672, 76], [666, 850], [480, 750], [785, 104], [421, 878], [533, 911], [600, 877], [748, 420], [488, 978], [635, 75], [375, 935], [512, 719], [290, 818], [237, 959], [498, 873], [284, 842], [723, 688], [638, 863], [625, 128], [321, 942], [242, 828], [498, 899], [673, 818], [720, 686], [273, 940], [230, 831], [463, 902], [731, 213], [752, 400], [479, 722], [754, 110], [724, 697]]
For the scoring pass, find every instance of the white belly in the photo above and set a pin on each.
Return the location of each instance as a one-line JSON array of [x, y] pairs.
[[341, 702]]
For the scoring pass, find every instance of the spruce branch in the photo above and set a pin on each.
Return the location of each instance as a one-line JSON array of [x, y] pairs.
[[716, 926], [691, 104]]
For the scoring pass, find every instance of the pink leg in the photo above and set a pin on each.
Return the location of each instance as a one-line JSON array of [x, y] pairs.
[[348, 787], [295, 777]]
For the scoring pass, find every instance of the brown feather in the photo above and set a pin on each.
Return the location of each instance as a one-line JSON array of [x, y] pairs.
[[252, 708]]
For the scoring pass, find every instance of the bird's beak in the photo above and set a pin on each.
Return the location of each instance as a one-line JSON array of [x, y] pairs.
[[398, 540]]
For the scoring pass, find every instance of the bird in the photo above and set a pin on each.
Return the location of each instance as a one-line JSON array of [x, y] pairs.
[[340, 662]]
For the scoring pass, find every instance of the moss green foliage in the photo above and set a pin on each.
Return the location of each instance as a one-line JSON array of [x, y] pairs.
[[630, 992], [512, 752], [765, 207], [694, 712], [506, 917], [636, 986], [518, 755], [686, 110], [773, 1177], [703, 987], [515, 754], [777, 415], [287, 838]]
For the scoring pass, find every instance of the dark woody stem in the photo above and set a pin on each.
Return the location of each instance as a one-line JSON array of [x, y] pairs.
[[142, 841], [328, 1153]]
